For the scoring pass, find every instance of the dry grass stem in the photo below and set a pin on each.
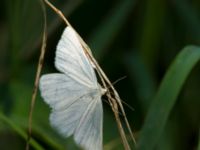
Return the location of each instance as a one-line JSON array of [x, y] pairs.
[[39, 69]]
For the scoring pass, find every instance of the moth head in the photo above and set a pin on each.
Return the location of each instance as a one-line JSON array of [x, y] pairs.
[[103, 90]]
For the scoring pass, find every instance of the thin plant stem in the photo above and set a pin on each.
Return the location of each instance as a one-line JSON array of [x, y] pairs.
[[39, 69]]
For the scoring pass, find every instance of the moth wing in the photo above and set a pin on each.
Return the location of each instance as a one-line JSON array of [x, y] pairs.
[[89, 132], [76, 109], [72, 60], [59, 90]]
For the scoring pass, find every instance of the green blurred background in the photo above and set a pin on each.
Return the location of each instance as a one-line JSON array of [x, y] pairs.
[[138, 39]]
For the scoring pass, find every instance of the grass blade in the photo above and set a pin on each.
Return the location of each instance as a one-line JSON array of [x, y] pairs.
[[20, 132], [189, 17], [152, 31], [106, 32], [166, 97], [198, 148], [144, 83]]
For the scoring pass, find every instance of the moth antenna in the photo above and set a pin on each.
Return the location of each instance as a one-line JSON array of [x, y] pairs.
[[116, 81]]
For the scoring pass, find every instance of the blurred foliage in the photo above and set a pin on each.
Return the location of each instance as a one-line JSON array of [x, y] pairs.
[[132, 38]]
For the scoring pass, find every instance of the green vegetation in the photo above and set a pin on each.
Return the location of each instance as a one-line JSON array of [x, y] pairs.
[[155, 44]]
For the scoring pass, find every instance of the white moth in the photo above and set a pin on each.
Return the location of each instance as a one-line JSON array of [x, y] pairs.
[[74, 94]]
